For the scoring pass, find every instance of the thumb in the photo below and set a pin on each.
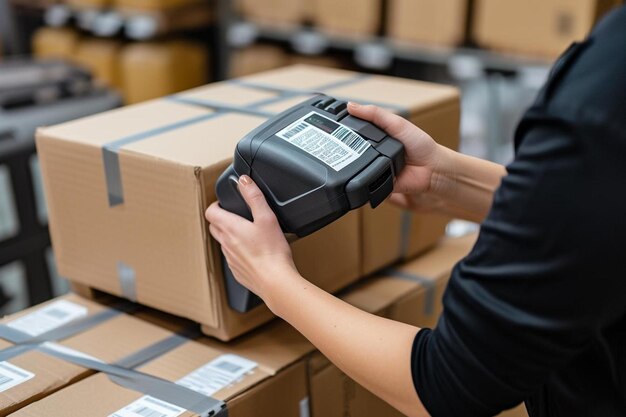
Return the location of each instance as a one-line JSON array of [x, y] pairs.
[[255, 199]]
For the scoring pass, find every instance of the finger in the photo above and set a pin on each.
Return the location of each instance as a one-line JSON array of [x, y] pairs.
[[222, 218], [399, 200], [216, 232], [394, 125], [255, 199]]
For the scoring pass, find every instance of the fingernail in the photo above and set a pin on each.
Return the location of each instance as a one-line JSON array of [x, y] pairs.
[[245, 180], [353, 105]]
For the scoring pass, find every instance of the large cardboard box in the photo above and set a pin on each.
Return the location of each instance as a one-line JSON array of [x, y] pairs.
[[156, 5], [154, 69], [535, 27], [31, 374], [132, 223], [348, 17], [429, 22], [55, 43], [390, 233], [258, 375], [410, 293], [101, 56]]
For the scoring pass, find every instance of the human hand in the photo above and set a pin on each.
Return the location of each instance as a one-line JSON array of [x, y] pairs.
[[256, 251], [422, 156]]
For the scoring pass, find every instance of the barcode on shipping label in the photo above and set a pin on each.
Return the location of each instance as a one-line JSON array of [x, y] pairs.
[[48, 318], [148, 406], [334, 144], [221, 372], [11, 375]]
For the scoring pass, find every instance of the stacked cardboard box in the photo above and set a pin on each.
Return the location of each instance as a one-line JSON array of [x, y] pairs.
[[28, 374], [265, 373], [535, 27], [132, 223], [140, 70], [428, 22], [348, 17]]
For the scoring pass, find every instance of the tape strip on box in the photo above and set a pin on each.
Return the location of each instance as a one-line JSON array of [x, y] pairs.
[[428, 284]]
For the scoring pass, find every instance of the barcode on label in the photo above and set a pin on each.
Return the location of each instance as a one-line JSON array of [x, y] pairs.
[[48, 317], [229, 367], [149, 412], [4, 380], [11, 375], [354, 141], [296, 129], [57, 313]]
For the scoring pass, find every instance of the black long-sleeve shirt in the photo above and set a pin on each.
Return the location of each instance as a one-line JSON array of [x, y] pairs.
[[537, 310]]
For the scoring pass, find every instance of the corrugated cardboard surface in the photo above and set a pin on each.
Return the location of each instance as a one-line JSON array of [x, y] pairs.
[[333, 394], [536, 27], [110, 340], [168, 180], [430, 22], [275, 388]]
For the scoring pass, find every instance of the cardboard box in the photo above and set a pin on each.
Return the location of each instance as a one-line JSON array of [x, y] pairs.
[[257, 58], [101, 57], [155, 69], [416, 301], [55, 43], [40, 375], [154, 5], [276, 384], [390, 233], [164, 156], [348, 17], [282, 12], [429, 22], [535, 27]]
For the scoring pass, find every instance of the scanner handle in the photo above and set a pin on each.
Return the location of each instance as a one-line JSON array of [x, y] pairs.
[[239, 297]]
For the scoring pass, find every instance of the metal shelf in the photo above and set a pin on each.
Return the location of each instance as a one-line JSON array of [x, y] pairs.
[[374, 52], [133, 24]]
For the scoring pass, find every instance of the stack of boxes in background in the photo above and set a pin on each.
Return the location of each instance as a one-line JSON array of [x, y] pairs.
[[131, 224]]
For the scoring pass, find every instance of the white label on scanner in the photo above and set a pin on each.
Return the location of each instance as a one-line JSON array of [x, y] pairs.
[[217, 374], [330, 142], [11, 375], [148, 406], [48, 318]]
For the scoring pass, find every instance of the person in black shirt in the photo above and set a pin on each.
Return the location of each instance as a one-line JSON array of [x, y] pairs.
[[537, 311]]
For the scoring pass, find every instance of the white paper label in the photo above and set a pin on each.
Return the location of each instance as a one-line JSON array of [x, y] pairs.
[[217, 374], [48, 318], [208, 379], [330, 142], [11, 375], [148, 406]]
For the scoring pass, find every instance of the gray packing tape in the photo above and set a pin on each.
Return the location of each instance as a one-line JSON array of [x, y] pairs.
[[159, 348], [428, 284], [110, 157], [147, 384], [68, 330], [221, 106], [16, 350], [126, 277], [406, 219], [287, 92]]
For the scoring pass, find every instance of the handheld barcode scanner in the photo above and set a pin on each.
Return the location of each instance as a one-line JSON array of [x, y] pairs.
[[313, 162]]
